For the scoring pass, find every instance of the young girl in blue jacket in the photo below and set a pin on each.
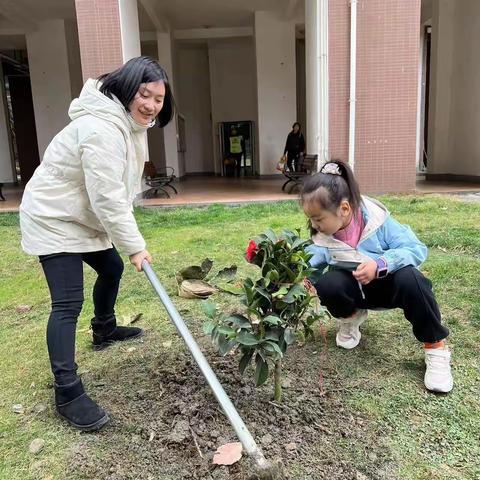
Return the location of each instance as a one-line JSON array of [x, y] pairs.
[[372, 263]]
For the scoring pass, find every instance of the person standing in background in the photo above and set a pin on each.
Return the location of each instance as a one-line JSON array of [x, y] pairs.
[[294, 146]]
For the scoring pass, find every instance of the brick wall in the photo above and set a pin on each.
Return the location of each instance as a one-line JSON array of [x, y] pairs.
[[99, 35], [388, 34], [339, 76]]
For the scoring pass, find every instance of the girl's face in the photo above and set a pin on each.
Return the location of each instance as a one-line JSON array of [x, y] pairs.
[[148, 102], [325, 221], [296, 128]]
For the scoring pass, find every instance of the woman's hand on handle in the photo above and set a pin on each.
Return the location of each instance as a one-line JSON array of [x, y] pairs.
[[137, 258]]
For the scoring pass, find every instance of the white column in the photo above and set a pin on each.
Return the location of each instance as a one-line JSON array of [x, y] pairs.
[[6, 171], [129, 28], [170, 131], [442, 93], [50, 78], [316, 53], [276, 86]]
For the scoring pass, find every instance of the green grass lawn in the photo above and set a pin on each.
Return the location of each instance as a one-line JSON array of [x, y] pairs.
[[427, 436]]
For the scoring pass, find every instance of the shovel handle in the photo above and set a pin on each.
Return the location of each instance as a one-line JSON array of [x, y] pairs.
[[237, 423]]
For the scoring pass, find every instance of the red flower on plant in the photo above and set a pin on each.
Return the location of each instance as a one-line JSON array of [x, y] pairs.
[[251, 250]]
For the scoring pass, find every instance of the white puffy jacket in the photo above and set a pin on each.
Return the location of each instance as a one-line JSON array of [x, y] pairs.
[[80, 197]]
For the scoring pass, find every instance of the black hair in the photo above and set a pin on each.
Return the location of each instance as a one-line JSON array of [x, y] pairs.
[[328, 190], [299, 126], [125, 82]]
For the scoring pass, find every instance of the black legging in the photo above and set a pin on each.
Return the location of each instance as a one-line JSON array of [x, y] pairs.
[[64, 274]]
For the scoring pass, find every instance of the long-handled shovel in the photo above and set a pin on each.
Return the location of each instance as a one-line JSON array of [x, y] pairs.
[[264, 469]]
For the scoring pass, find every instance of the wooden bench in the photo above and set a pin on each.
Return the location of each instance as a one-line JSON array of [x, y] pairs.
[[306, 167], [159, 179]]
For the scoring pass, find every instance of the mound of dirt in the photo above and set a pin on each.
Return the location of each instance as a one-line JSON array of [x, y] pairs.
[[166, 423]]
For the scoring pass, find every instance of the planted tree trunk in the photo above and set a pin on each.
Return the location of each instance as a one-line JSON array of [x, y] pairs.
[[278, 381]]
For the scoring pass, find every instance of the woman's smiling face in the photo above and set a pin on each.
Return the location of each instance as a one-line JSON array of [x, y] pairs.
[[148, 102]]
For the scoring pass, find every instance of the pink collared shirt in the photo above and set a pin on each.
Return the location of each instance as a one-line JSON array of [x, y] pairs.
[[353, 231]]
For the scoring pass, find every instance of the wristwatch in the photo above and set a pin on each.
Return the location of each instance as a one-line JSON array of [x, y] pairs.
[[382, 268]]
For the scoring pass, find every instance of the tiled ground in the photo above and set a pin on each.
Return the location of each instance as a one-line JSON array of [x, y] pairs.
[[205, 190]]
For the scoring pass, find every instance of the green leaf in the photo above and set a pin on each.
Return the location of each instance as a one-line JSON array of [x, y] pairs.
[[275, 276], [272, 320], [262, 354], [252, 307], [246, 338], [296, 291], [273, 347], [224, 345], [209, 309], [268, 349], [208, 327], [239, 321], [270, 234], [261, 370], [272, 335], [281, 291], [289, 336], [229, 288], [249, 290], [298, 243], [245, 360], [263, 293], [289, 271], [226, 330], [270, 269]]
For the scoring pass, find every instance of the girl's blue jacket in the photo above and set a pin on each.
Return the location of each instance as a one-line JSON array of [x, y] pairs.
[[383, 237]]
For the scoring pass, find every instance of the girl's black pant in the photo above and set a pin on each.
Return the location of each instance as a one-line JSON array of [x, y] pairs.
[[406, 288]]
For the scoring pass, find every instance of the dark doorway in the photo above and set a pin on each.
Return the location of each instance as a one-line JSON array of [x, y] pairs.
[[244, 130]]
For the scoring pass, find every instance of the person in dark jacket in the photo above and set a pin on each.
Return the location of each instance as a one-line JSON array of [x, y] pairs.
[[294, 146]]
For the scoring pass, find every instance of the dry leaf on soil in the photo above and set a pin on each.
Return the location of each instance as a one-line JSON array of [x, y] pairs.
[[228, 454]]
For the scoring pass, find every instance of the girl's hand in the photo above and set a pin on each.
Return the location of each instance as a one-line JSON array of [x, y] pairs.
[[137, 258], [366, 272]]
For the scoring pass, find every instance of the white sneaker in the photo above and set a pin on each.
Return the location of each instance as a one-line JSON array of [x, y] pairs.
[[438, 376], [349, 335]]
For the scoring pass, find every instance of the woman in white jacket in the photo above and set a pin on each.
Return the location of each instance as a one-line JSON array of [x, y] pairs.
[[77, 208]]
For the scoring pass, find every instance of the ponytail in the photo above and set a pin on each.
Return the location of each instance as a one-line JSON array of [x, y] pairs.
[[333, 184]]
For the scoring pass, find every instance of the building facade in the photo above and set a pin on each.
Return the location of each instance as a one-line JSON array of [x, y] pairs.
[[388, 85]]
